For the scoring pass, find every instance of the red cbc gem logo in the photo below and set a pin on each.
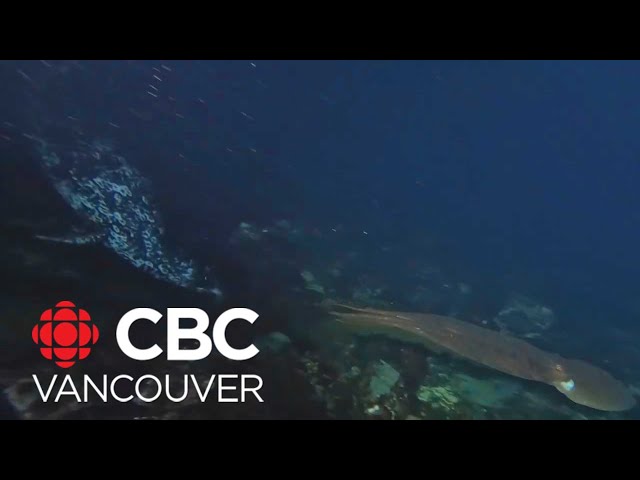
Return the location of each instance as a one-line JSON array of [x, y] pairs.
[[65, 334]]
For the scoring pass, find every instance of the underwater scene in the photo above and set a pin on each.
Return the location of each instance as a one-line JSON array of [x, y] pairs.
[[419, 240]]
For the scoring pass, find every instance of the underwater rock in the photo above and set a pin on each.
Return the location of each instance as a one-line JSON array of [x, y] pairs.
[[273, 342], [383, 381], [21, 396], [429, 298], [307, 276], [246, 232], [335, 269], [464, 289], [284, 228], [368, 295], [439, 397], [374, 410], [311, 283], [436, 293], [329, 391], [524, 317], [488, 392], [353, 372], [370, 291]]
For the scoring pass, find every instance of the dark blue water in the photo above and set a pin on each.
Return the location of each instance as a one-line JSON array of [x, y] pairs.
[[524, 174]]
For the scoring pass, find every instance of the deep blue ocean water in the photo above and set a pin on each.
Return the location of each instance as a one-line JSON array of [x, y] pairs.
[[511, 176]]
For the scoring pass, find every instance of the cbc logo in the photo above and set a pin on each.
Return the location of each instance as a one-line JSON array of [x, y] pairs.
[[65, 334]]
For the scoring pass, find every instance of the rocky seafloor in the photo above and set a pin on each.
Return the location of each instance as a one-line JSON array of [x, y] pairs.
[[311, 369]]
